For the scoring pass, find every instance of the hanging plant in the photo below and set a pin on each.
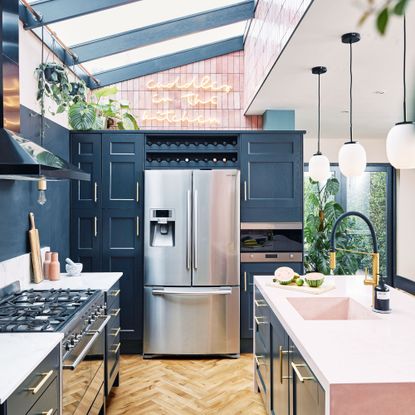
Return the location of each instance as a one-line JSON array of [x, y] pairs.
[[82, 116], [53, 82]]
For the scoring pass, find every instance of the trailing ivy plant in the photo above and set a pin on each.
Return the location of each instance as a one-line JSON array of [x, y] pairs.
[[102, 112], [53, 82], [322, 210]]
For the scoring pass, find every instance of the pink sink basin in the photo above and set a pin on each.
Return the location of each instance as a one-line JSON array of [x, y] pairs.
[[331, 308]]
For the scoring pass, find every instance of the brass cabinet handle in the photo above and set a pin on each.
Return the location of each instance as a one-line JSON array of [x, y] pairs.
[[45, 377], [245, 282], [137, 192], [245, 191], [50, 412], [95, 226], [261, 303], [137, 226], [282, 352], [95, 192], [259, 322], [256, 357], [116, 348], [115, 313], [115, 293], [117, 332], [301, 378]]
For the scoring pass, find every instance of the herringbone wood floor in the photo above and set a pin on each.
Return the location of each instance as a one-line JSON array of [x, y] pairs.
[[185, 387]]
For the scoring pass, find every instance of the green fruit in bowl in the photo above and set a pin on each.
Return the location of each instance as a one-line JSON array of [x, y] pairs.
[[299, 282], [314, 279]]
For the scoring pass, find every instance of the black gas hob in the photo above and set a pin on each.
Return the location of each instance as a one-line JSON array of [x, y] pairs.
[[40, 310]]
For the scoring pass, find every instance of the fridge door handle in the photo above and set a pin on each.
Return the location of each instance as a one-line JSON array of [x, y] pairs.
[[158, 291], [189, 235], [195, 236]]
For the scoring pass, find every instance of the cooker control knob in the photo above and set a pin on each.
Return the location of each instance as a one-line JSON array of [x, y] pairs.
[[291, 256]]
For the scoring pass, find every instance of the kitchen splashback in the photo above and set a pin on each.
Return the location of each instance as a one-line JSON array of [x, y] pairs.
[[17, 269]]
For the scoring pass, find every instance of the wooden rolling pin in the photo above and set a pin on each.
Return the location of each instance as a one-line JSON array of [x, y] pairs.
[[35, 251]]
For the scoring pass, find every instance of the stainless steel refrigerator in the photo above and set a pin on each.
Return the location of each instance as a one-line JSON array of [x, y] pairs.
[[191, 262]]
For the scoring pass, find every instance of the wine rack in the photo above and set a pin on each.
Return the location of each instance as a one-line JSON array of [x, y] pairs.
[[192, 151]]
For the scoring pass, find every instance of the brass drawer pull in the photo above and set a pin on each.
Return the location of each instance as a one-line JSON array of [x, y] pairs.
[[301, 378], [283, 352], [245, 282], [95, 192], [95, 226], [261, 303], [115, 293], [116, 348], [38, 387], [117, 332], [137, 192], [137, 226], [50, 412], [257, 359], [114, 313], [259, 322]]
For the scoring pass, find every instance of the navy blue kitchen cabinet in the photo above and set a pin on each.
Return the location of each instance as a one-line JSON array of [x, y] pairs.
[[39, 393], [86, 154], [106, 221], [248, 271], [272, 176], [86, 236], [122, 252], [122, 166]]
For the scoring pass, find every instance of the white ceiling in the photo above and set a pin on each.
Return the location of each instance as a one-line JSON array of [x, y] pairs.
[[377, 67]]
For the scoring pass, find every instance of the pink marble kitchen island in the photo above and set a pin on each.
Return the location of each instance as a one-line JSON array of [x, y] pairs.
[[366, 365]]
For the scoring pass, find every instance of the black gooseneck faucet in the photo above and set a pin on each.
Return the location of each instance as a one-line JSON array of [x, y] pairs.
[[374, 281]]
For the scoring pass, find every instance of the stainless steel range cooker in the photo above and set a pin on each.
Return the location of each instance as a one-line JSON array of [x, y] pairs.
[[80, 316]]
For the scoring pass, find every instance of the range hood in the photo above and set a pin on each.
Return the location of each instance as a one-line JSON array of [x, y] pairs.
[[20, 158]]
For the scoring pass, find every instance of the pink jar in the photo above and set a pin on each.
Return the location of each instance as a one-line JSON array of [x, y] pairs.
[[46, 264], [54, 267]]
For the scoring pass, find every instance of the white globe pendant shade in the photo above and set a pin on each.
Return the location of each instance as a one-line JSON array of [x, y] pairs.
[[400, 146], [352, 159], [319, 168]]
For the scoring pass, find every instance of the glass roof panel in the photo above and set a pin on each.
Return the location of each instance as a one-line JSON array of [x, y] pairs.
[[165, 48], [128, 17]]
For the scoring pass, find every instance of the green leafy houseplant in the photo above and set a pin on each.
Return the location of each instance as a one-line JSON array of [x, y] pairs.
[[54, 83], [102, 113], [321, 211]]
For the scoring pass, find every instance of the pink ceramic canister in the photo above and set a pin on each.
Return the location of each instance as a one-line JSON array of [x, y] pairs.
[[54, 267], [46, 264]]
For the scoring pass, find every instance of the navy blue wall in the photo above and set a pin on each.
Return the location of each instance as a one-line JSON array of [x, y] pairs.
[[18, 198]]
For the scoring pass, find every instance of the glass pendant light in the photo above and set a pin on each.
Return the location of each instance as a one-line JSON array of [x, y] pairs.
[[400, 142], [319, 165], [352, 155]]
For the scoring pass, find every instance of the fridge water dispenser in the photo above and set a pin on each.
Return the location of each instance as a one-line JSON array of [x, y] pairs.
[[162, 226]]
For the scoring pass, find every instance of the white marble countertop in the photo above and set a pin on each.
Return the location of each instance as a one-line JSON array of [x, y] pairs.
[[94, 280], [20, 354], [351, 351]]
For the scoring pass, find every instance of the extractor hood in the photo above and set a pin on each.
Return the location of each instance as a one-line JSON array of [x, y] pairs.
[[20, 158]]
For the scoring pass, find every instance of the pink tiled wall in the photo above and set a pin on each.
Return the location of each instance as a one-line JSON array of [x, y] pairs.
[[171, 108], [270, 30]]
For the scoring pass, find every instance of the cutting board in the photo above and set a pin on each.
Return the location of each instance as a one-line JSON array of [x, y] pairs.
[[35, 250], [326, 286]]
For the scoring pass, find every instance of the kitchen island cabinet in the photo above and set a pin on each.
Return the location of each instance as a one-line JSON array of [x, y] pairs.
[[336, 360]]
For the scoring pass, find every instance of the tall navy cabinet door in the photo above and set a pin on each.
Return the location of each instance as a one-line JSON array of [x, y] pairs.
[[86, 154], [122, 247], [272, 176], [122, 164], [86, 230]]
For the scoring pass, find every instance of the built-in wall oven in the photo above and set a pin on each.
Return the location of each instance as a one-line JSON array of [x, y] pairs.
[[272, 242]]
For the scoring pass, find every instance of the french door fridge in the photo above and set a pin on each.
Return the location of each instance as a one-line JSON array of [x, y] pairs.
[[191, 262]]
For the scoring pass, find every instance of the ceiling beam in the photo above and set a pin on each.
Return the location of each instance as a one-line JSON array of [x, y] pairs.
[[164, 31], [165, 62], [52, 11]]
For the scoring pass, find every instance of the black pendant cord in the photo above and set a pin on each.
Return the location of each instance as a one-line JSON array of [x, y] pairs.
[[404, 69], [318, 115], [351, 94]]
